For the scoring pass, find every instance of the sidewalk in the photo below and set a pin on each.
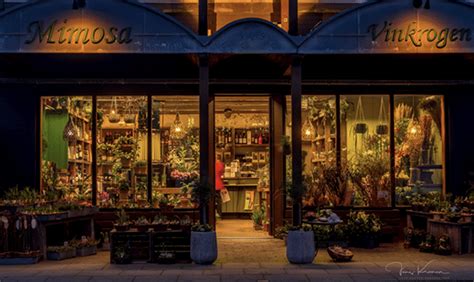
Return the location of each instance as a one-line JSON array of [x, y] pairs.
[[257, 260]]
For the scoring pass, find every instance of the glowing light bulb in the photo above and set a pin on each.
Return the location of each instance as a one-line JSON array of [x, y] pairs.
[[307, 132]]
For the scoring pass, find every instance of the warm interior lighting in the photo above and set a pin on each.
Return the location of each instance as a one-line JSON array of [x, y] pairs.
[[308, 130], [177, 130]]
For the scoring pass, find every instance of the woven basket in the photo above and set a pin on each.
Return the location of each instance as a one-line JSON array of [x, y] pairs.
[[340, 256]]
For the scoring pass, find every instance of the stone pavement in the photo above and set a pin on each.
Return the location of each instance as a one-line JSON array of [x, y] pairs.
[[257, 260]]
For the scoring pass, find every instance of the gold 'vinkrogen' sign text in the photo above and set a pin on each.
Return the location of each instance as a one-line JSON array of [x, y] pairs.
[[419, 36]]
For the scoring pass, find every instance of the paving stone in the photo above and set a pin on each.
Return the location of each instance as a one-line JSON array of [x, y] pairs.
[[69, 279], [372, 277], [188, 272], [307, 271], [264, 271], [222, 271], [167, 278], [203, 278], [113, 279], [242, 278], [286, 277], [338, 277], [241, 265], [347, 271]]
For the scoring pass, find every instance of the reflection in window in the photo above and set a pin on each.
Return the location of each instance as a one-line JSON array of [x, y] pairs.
[[66, 148], [313, 13], [121, 151], [223, 12], [320, 169], [365, 141], [175, 156], [418, 145]]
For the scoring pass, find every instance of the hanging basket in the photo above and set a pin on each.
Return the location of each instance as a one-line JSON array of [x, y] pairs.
[[70, 131], [381, 129], [361, 128], [129, 118], [113, 118]]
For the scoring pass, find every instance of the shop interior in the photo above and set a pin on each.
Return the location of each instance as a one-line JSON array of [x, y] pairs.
[[242, 146]]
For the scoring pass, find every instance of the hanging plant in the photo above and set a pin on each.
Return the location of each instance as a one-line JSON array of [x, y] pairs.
[[70, 131], [382, 128], [113, 116], [360, 126]]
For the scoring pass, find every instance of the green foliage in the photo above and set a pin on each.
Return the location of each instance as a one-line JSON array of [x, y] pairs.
[[360, 224], [258, 215], [201, 192], [122, 217]]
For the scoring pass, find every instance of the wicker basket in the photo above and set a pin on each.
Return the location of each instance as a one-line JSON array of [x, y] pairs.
[[340, 254]]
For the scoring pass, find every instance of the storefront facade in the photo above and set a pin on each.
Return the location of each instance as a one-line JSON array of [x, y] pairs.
[[341, 94]]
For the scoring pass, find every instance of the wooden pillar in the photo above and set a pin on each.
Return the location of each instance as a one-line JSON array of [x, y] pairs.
[[202, 22], [150, 149], [277, 159], [206, 137], [296, 92], [94, 150], [392, 149], [293, 17]]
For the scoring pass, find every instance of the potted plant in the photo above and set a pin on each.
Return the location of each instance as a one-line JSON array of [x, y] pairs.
[[156, 195], [122, 223], [166, 203], [258, 216], [140, 168], [85, 247], [300, 247], [142, 224], [203, 238], [466, 215], [61, 252], [160, 223], [363, 229], [124, 186]]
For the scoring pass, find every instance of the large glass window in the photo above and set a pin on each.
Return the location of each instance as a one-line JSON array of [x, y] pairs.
[[66, 148], [365, 148], [122, 151], [223, 12], [418, 146], [186, 11], [313, 13], [320, 167], [175, 155]]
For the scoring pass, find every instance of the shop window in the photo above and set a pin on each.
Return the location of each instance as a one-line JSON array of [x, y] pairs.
[[286, 142], [175, 155], [223, 12], [66, 148], [418, 147], [311, 14], [365, 149], [186, 12], [122, 151], [325, 186]]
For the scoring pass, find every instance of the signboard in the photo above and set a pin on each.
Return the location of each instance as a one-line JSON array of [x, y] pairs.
[[396, 26], [105, 26]]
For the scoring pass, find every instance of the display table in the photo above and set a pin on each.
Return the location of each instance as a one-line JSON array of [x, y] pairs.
[[460, 234], [54, 230], [418, 219]]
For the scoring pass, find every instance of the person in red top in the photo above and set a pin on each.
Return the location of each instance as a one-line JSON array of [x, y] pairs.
[[220, 168]]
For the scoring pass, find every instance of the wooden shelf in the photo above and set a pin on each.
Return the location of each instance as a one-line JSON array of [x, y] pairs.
[[252, 145]]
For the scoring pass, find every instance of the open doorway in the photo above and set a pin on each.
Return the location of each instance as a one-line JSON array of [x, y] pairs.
[[242, 146]]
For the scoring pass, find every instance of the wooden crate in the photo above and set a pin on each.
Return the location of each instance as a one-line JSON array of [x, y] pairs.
[[460, 234]]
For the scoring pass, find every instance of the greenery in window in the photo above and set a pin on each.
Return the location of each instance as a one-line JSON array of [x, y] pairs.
[[184, 159]]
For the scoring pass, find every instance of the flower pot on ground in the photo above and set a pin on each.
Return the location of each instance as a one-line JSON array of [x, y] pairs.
[[61, 252], [203, 244], [258, 216], [203, 238], [300, 248]]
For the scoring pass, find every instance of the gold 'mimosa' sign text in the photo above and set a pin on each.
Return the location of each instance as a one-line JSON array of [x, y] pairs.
[[62, 33]]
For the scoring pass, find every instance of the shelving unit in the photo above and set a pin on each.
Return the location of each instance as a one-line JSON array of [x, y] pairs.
[[79, 151], [323, 144]]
